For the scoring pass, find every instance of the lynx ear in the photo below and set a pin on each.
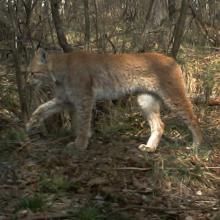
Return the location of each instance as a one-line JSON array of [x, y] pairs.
[[42, 55]]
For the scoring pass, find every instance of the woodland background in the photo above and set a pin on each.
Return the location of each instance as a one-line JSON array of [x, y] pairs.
[[41, 179]]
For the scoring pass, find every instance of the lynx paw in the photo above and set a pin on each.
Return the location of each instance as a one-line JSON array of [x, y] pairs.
[[75, 151], [145, 148], [77, 145], [32, 127]]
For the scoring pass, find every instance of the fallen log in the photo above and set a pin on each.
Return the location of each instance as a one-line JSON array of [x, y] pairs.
[[215, 101]]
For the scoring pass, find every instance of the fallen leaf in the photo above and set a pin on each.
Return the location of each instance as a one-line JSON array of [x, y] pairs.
[[97, 181]]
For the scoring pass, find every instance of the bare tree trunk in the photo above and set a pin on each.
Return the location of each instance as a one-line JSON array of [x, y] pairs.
[[210, 101], [171, 9], [29, 7], [87, 24], [58, 26], [202, 26], [179, 28], [143, 46], [156, 14], [147, 17], [96, 23], [20, 85], [50, 24], [16, 57]]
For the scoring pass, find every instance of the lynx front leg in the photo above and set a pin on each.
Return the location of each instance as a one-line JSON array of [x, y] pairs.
[[151, 110], [83, 120], [42, 112]]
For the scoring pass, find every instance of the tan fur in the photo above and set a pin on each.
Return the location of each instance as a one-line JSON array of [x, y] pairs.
[[82, 78]]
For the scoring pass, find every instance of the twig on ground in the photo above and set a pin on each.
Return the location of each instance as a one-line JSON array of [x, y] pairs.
[[160, 209], [132, 168], [7, 186], [50, 217], [212, 167]]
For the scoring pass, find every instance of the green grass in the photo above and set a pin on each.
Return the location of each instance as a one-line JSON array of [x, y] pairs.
[[89, 213], [56, 184], [14, 135], [92, 212], [119, 120], [34, 203], [10, 139]]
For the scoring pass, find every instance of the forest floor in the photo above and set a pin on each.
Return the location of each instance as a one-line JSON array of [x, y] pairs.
[[42, 179]]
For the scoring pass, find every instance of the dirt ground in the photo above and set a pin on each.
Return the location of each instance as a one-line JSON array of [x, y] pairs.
[[41, 178]]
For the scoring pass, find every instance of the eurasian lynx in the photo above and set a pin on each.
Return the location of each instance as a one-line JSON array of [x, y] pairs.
[[82, 78]]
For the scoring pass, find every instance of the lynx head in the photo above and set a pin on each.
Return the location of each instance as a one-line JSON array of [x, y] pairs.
[[38, 69]]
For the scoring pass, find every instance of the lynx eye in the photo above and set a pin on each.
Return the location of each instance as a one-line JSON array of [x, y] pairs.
[[30, 73]]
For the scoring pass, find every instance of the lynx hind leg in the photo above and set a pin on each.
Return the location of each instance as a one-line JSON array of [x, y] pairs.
[[150, 106], [179, 103], [185, 111]]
